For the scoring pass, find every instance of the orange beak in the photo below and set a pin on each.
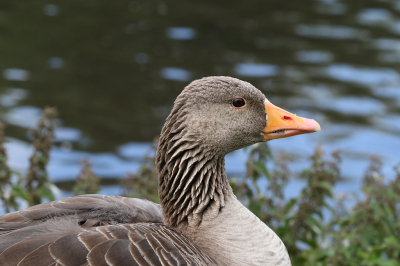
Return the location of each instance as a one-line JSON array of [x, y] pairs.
[[282, 124]]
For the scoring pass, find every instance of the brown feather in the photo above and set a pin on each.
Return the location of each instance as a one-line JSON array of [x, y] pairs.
[[91, 239], [96, 255], [119, 254], [40, 256], [15, 253], [69, 251]]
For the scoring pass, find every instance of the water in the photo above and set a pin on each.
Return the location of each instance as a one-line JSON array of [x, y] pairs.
[[114, 68]]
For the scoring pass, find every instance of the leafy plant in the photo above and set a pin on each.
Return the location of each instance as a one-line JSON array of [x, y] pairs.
[[36, 186], [369, 233], [87, 182], [37, 181], [7, 190], [143, 184]]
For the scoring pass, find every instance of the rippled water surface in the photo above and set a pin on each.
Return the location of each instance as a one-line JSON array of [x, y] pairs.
[[114, 68]]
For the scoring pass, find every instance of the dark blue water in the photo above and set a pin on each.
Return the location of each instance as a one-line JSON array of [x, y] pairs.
[[113, 69]]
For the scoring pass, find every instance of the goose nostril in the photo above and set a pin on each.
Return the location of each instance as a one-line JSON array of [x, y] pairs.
[[285, 117]]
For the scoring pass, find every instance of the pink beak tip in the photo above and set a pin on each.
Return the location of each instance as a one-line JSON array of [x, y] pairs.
[[312, 125]]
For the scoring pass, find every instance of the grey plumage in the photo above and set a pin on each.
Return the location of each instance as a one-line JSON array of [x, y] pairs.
[[199, 222]]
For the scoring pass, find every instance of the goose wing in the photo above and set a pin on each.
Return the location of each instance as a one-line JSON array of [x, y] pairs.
[[94, 230]]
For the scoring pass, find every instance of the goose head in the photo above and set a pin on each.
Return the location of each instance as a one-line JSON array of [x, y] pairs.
[[210, 118], [223, 114]]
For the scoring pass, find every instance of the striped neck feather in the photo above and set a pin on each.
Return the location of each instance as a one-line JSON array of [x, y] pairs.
[[192, 179]]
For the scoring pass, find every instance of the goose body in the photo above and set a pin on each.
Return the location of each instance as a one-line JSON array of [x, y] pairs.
[[199, 221]]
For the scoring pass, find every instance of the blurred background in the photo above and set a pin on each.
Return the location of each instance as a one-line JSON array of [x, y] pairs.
[[114, 68]]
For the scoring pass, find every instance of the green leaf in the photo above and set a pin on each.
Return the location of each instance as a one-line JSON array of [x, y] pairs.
[[315, 225], [46, 192], [325, 185], [290, 205], [392, 240], [20, 192], [261, 168], [255, 207]]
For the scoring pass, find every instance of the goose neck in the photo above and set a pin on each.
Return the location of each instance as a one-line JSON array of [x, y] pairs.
[[192, 184]]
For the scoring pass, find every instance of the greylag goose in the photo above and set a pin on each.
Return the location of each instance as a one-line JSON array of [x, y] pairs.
[[199, 221]]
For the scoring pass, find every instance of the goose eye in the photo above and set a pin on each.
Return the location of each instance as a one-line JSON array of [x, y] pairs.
[[238, 102]]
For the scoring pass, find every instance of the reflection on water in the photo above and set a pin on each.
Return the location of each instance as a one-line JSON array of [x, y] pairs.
[[23, 116], [55, 62], [331, 32], [12, 96], [256, 70], [51, 10], [360, 106], [114, 68], [364, 76], [16, 74], [314, 57], [174, 73], [180, 33]]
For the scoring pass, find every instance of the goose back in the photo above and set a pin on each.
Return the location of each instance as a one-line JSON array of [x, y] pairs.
[[94, 230]]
